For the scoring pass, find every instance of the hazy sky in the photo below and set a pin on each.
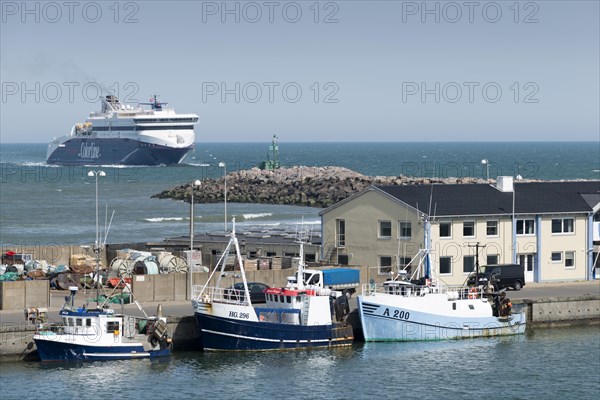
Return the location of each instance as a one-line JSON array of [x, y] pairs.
[[307, 70]]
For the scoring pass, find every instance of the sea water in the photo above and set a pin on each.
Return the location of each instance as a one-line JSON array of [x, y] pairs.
[[42, 204], [546, 364]]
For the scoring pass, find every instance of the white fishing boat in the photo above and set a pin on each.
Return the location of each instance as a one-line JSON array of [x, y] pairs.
[[424, 309], [293, 317]]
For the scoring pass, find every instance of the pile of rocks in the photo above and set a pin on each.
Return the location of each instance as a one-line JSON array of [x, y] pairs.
[[303, 186]]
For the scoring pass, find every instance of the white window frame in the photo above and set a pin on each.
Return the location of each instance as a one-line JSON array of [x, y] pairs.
[[573, 259], [464, 258], [553, 261], [497, 228], [562, 226], [379, 266], [440, 229], [403, 261], [474, 231], [400, 230], [379, 236], [440, 265], [492, 255], [524, 226]]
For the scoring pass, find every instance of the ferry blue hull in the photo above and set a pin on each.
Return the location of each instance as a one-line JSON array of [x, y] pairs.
[[51, 350], [230, 334], [117, 151]]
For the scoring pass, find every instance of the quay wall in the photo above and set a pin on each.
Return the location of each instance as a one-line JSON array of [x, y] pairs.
[[563, 311], [16, 339], [146, 288], [18, 295]]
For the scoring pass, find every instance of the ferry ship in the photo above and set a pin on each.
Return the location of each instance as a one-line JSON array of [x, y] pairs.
[[121, 134]]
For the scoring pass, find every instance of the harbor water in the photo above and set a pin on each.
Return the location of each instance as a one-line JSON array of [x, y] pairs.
[[562, 363], [51, 205]]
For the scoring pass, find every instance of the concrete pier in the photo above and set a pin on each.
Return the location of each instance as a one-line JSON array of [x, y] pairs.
[[563, 311]]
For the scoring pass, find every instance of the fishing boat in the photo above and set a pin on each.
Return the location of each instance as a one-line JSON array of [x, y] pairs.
[[122, 134], [421, 308], [90, 334], [294, 317]]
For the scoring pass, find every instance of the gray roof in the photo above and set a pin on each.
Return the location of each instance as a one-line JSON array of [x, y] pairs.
[[484, 199]]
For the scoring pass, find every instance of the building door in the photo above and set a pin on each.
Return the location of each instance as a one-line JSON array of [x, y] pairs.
[[526, 260]]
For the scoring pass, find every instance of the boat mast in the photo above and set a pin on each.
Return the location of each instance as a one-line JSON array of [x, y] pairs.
[[96, 175], [477, 247], [238, 256], [300, 273]]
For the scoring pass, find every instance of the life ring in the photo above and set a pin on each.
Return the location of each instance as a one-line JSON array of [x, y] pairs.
[[473, 293]]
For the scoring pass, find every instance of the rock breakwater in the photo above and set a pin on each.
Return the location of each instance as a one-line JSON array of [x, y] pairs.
[[302, 186]]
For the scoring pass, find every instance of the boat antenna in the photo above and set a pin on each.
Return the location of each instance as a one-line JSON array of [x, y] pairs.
[[427, 231], [404, 246]]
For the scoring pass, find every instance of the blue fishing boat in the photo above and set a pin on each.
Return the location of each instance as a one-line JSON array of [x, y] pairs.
[[294, 317], [100, 334]]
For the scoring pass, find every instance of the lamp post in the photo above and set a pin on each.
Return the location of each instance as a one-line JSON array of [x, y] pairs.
[[194, 184], [487, 168], [224, 166], [96, 175]]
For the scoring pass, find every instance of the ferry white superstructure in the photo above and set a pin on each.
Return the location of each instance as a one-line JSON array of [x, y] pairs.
[[121, 134]]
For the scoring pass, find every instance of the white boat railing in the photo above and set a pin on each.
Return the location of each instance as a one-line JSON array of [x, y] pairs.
[[409, 290], [219, 295]]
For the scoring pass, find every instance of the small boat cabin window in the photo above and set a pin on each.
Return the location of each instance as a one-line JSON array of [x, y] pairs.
[[88, 322], [112, 326], [280, 299], [288, 299], [78, 322], [298, 299], [454, 306], [71, 322], [65, 320]]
